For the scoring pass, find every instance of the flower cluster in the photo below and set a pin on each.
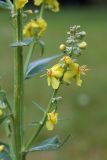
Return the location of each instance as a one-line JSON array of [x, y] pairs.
[[65, 70], [51, 4], [73, 45], [35, 27]]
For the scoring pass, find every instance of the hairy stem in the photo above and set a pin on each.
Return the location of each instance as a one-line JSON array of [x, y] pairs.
[[18, 90]]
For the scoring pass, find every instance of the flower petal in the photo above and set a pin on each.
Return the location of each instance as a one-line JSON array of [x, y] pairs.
[[68, 76], [55, 83], [49, 81], [57, 71], [78, 80], [21, 3], [38, 2], [49, 125]]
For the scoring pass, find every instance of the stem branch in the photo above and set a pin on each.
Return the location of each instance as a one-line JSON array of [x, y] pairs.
[[42, 121], [29, 56]]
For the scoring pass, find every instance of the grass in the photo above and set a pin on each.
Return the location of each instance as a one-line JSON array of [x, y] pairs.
[[86, 107]]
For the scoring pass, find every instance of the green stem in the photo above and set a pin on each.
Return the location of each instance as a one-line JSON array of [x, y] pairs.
[[44, 117], [32, 45], [42, 121], [29, 56], [41, 10], [18, 90]]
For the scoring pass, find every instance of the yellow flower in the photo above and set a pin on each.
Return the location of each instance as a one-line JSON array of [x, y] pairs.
[[42, 25], [2, 148], [52, 4], [20, 3], [54, 74], [67, 60], [52, 119], [30, 28], [38, 2], [73, 72]]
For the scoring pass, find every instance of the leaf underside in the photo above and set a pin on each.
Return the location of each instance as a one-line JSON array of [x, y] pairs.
[[25, 42], [4, 5], [38, 66], [49, 144]]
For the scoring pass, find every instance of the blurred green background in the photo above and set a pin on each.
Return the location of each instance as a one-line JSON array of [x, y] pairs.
[[84, 109]]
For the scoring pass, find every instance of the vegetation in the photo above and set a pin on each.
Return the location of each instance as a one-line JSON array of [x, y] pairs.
[[88, 120]]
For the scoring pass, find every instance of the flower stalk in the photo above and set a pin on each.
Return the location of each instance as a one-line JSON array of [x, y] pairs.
[[31, 49], [18, 90], [33, 138], [59, 74]]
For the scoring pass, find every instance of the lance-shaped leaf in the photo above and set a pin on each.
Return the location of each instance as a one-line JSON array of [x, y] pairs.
[[39, 107], [25, 42], [49, 144], [38, 66], [4, 155], [4, 5]]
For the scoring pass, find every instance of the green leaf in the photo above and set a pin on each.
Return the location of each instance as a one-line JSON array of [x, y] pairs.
[[25, 42], [38, 66], [39, 107], [4, 5], [10, 4], [49, 144], [4, 155]]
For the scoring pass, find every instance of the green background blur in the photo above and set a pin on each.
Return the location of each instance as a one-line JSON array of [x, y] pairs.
[[84, 109]]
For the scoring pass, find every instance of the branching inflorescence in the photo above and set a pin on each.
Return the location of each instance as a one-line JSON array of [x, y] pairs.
[[64, 72]]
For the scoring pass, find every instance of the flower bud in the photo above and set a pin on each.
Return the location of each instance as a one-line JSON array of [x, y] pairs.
[[83, 45], [29, 11], [1, 113], [2, 148], [67, 60], [62, 47]]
